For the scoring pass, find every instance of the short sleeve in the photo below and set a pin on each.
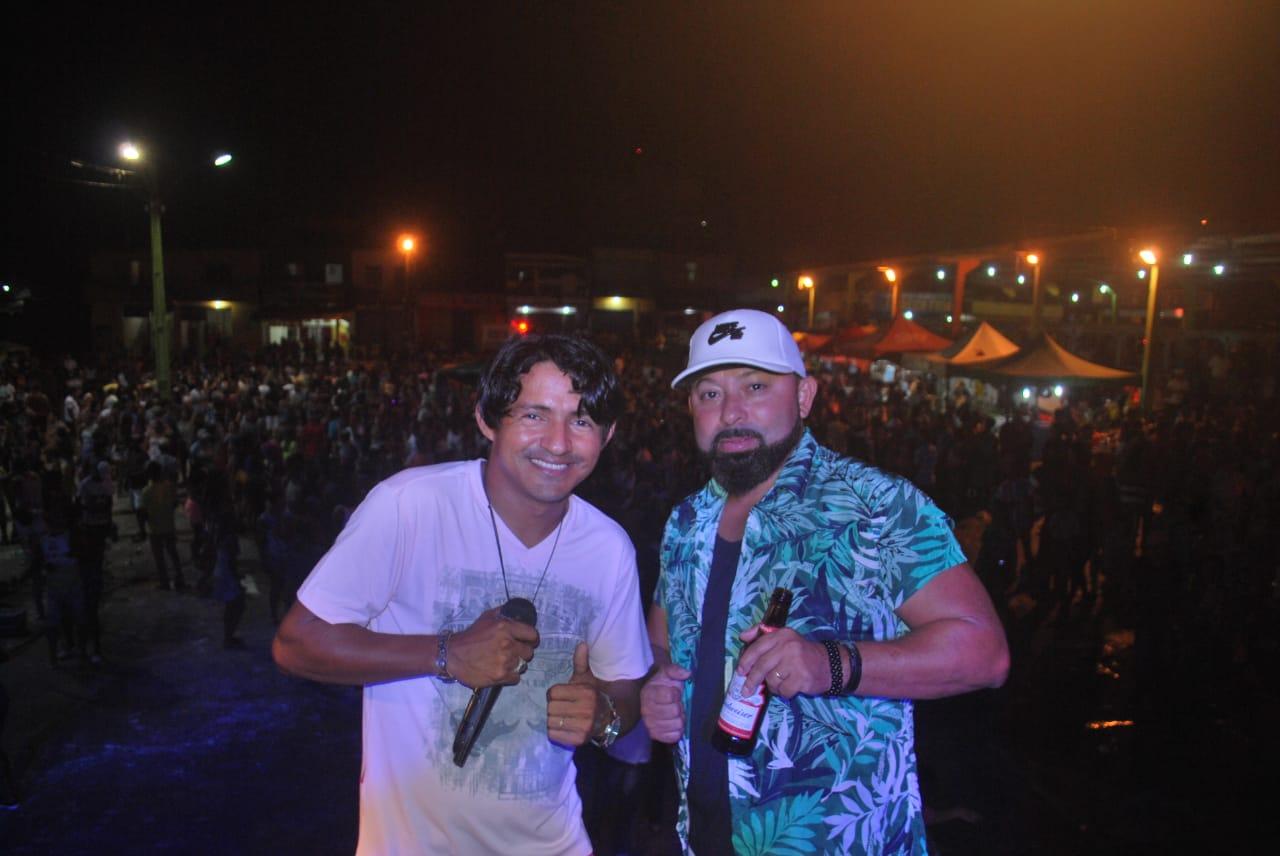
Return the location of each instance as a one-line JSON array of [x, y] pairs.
[[916, 542], [354, 581], [621, 650]]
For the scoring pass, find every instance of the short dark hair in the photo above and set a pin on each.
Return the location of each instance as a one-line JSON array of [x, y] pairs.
[[586, 365]]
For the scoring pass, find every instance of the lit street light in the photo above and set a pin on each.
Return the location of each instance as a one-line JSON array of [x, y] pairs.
[[1110, 292], [1149, 258], [1033, 259], [159, 304], [408, 245], [891, 276], [144, 177], [806, 284]]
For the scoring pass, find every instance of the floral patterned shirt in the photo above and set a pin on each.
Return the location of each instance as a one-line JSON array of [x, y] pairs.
[[852, 544]]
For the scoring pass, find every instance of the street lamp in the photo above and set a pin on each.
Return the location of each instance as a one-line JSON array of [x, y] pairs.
[[1033, 259], [1110, 292], [408, 245], [1149, 258], [891, 276], [159, 304], [806, 284]]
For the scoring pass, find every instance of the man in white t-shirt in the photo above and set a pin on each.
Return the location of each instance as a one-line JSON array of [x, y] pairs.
[[408, 598]]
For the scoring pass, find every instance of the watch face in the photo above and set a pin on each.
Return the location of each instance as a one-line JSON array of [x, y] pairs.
[[605, 740]]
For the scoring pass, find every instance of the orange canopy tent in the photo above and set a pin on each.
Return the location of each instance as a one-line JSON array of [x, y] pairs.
[[811, 342], [900, 337]]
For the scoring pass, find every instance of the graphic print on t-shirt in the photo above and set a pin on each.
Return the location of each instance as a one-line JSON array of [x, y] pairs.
[[512, 757]]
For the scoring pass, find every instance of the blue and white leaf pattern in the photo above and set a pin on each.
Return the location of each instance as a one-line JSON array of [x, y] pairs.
[[852, 544]]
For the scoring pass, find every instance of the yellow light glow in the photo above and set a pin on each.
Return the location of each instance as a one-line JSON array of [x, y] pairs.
[[130, 152], [806, 282], [890, 274], [408, 243], [1033, 258], [619, 303], [219, 304], [1148, 256], [1109, 723]]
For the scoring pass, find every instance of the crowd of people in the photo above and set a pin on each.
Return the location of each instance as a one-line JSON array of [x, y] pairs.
[[1158, 522]]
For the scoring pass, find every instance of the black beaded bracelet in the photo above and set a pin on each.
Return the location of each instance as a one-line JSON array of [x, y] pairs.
[[837, 668], [855, 669]]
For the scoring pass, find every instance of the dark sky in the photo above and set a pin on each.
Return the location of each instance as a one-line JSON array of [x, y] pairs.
[[801, 132]]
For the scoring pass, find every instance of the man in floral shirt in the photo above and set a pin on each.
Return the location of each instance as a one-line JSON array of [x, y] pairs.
[[884, 610]]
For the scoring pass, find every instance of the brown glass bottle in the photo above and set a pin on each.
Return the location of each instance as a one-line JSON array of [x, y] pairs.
[[740, 716]]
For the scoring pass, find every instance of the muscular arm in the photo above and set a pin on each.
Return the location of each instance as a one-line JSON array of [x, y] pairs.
[[955, 644], [485, 654]]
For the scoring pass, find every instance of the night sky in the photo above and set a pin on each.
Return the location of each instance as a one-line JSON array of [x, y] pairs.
[[801, 133]]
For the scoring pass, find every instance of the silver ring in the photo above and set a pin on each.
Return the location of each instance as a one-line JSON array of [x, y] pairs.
[[523, 667]]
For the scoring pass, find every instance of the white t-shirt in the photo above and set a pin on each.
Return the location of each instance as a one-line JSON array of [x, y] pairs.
[[418, 556]]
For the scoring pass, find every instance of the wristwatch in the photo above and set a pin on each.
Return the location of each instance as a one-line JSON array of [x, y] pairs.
[[611, 731]]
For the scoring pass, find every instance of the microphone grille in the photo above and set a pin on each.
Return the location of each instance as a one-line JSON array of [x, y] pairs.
[[522, 610]]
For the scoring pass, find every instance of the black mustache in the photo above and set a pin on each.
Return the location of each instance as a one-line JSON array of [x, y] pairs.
[[734, 433]]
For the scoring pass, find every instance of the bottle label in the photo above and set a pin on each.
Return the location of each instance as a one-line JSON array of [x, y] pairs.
[[739, 712]]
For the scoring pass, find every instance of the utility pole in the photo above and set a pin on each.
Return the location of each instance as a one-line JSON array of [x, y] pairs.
[[159, 304]]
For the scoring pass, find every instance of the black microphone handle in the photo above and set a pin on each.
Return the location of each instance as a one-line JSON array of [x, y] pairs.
[[484, 698]]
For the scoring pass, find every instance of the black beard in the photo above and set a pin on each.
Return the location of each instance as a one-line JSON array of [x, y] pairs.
[[739, 472]]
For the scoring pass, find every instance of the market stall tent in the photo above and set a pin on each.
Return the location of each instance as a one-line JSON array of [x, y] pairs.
[[1046, 360], [984, 344], [900, 337]]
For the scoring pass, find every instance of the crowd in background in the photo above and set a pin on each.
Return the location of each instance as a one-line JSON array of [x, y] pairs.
[[1157, 523]]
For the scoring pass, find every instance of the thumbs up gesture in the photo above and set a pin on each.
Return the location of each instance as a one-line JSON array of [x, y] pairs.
[[661, 705], [576, 711]]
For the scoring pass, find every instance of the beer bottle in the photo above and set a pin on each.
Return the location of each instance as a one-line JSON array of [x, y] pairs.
[[740, 715]]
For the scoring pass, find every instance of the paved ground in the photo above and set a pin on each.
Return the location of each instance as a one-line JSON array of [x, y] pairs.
[[175, 745]]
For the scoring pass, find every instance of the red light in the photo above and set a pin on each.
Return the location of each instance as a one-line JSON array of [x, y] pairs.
[[522, 327], [638, 150], [1178, 313]]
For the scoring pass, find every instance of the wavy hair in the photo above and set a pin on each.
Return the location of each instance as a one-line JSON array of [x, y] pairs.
[[587, 366]]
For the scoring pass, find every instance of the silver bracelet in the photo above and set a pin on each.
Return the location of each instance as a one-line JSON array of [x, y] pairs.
[[442, 658]]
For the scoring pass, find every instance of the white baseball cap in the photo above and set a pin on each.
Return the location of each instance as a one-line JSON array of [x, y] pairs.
[[743, 337]]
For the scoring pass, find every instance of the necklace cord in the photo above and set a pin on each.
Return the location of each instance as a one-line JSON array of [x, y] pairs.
[[502, 565]]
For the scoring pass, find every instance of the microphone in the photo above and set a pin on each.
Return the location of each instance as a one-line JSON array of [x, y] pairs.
[[483, 699]]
